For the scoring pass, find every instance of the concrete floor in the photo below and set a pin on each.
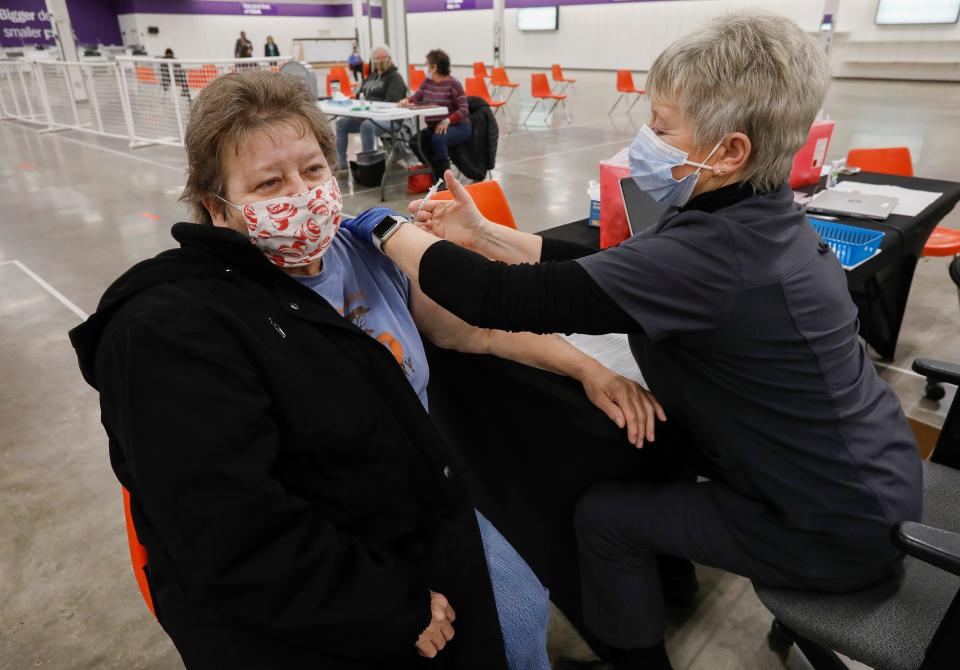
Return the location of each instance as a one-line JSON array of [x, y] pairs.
[[79, 210]]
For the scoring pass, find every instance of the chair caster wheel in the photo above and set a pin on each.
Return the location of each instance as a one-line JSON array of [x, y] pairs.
[[780, 639], [934, 390]]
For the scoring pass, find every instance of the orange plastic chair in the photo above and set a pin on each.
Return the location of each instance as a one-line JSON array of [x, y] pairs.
[[893, 160], [897, 161], [480, 70], [339, 72], [625, 87], [138, 554], [146, 75], [499, 79], [417, 77], [558, 78], [490, 200], [540, 89], [344, 83], [478, 89], [366, 70]]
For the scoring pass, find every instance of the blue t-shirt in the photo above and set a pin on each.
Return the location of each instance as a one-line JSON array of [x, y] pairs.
[[371, 292]]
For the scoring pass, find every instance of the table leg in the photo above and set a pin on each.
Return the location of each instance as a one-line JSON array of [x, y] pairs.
[[394, 130]]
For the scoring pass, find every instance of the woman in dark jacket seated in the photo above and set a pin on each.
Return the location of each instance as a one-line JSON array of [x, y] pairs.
[[740, 319], [263, 390]]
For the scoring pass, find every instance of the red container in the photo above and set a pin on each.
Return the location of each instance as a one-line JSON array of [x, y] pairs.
[[613, 215], [808, 162]]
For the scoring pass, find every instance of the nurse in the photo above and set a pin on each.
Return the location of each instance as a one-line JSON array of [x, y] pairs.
[[741, 322]]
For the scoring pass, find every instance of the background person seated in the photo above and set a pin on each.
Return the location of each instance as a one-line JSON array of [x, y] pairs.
[[442, 132], [383, 85]]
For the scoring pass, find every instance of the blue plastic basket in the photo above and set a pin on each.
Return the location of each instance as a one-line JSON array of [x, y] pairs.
[[852, 245]]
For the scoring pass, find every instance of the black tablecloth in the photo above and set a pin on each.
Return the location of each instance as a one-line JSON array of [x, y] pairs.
[[880, 286]]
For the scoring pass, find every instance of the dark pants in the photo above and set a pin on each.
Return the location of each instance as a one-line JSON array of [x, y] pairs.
[[357, 71], [622, 527], [434, 148]]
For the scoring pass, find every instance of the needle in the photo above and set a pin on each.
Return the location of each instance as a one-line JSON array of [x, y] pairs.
[[432, 192]]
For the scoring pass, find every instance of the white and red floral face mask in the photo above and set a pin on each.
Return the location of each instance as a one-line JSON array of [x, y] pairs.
[[294, 230]]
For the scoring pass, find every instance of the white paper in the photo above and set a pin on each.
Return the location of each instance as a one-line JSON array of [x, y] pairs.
[[911, 201], [612, 350], [622, 157]]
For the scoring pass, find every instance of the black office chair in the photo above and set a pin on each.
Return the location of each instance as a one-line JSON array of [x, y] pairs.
[[909, 623]]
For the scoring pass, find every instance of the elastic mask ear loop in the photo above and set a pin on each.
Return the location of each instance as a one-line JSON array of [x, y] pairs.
[[224, 200], [704, 166]]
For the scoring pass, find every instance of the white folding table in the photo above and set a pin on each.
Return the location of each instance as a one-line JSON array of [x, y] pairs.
[[383, 112]]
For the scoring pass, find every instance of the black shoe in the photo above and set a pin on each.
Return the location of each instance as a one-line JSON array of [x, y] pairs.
[[679, 591], [678, 582], [570, 664]]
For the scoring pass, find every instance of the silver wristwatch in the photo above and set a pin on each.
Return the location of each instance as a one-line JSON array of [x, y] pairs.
[[385, 229]]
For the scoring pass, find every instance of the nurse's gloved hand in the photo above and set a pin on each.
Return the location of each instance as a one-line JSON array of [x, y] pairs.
[[625, 402], [363, 224]]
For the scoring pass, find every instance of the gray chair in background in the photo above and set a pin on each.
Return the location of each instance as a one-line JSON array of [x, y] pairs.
[[912, 622]]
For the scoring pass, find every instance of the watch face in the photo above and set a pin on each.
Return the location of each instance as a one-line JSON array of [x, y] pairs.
[[381, 228]]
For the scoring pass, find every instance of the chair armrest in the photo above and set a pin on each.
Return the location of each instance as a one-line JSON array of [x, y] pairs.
[[938, 370], [931, 545]]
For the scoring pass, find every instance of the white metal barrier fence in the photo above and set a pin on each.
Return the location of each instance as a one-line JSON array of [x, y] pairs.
[[146, 100]]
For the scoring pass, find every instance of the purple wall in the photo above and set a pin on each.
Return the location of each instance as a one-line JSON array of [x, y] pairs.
[[25, 23], [420, 6], [231, 8], [94, 21]]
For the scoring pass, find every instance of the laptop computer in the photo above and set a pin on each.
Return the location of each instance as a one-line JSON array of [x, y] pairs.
[[857, 205], [642, 210]]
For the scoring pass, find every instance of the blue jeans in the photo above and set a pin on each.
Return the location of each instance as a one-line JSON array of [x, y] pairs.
[[523, 604], [436, 148], [369, 132]]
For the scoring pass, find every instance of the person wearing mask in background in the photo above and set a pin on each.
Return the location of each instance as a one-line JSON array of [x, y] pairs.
[[442, 132], [355, 63], [264, 392], [242, 42], [740, 320], [383, 85], [270, 49]]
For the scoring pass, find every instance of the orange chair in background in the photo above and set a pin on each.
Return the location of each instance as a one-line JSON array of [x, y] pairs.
[[366, 70], [490, 200], [557, 72], [146, 75], [897, 161], [138, 554], [480, 70], [478, 89], [344, 82], [499, 79], [626, 87], [540, 89], [417, 77]]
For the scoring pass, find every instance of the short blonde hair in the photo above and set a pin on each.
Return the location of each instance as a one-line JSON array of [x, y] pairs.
[[231, 107], [754, 73]]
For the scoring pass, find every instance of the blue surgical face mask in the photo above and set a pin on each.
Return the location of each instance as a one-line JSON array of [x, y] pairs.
[[651, 165]]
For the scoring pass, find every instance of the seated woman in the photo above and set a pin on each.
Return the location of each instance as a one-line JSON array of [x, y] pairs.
[[263, 390], [740, 319], [442, 132], [383, 85]]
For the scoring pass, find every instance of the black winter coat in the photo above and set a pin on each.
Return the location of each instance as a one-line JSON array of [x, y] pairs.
[[295, 500], [478, 155]]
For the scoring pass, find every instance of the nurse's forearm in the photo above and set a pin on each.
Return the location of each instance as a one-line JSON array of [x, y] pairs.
[[406, 247], [508, 244], [547, 352]]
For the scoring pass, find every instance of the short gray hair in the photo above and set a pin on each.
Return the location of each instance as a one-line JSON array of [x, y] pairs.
[[754, 73], [383, 49]]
